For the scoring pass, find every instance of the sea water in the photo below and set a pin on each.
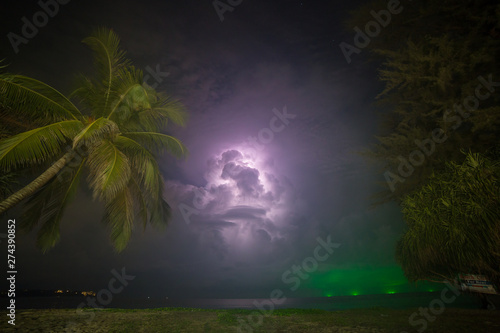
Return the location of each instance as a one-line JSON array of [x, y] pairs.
[[394, 301]]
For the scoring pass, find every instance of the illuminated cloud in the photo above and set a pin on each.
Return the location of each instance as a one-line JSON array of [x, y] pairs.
[[243, 207]]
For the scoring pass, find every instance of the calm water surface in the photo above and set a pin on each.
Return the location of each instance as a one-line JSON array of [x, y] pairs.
[[395, 301]]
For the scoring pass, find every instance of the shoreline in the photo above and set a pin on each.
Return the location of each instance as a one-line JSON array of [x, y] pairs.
[[377, 320], [396, 301]]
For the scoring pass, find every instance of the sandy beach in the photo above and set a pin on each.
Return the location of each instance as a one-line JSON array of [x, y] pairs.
[[289, 320]]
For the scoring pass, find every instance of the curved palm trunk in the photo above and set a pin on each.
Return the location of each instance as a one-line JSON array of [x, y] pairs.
[[36, 184]]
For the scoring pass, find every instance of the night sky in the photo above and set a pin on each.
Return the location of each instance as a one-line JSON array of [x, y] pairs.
[[276, 116]]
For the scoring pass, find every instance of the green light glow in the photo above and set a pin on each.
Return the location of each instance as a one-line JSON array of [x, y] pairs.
[[362, 280]]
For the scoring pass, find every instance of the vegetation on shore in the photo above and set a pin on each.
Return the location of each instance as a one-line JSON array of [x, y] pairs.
[[438, 62]]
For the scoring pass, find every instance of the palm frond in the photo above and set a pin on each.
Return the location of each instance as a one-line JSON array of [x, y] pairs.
[[109, 59], [159, 142], [128, 95], [47, 206], [148, 185], [173, 113], [96, 131], [119, 216], [171, 109], [12, 122], [152, 207], [7, 181], [166, 106], [38, 145], [87, 95], [156, 119], [143, 162], [160, 210], [109, 170], [35, 98], [147, 120], [140, 200]]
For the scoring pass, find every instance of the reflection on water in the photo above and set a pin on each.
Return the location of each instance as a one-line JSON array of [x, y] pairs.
[[395, 301]]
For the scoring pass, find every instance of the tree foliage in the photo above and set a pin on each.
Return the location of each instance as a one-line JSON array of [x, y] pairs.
[[109, 129], [438, 61], [434, 55], [454, 223]]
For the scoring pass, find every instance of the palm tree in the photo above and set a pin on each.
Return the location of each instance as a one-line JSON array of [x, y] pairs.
[[454, 223], [114, 136]]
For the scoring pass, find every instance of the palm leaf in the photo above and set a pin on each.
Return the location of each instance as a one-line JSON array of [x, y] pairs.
[[160, 210], [109, 170], [38, 145], [119, 216], [156, 119], [166, 107], [87, 95], [174, 113], [149, 190], [140, 201], [47, 206], [152, 207], [128, 95], [158, 141], [147, 120], [142, 161], [108, 59], [96, 131], [171, 109], [7, 180], [35, 98]]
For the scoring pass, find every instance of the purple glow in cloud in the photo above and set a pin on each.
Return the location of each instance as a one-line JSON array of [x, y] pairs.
[[245, 204]]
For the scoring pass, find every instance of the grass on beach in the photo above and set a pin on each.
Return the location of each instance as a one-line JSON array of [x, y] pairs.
[[287, 320]]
